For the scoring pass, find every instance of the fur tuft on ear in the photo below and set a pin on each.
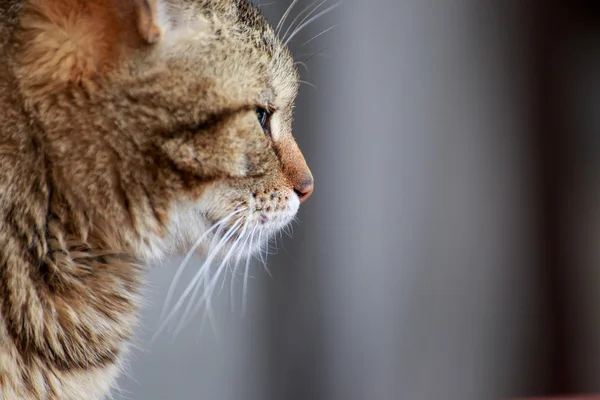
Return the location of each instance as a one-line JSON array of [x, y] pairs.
[[68, 41], [147, 20]]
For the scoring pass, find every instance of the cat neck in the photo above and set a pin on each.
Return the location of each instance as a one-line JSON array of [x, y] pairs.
[[67, 304]]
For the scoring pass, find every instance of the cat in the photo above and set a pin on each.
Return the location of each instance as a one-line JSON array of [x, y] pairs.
[[129, 129]]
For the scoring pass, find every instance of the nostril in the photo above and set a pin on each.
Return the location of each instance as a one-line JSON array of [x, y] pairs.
[[301, 196], [304, 190]]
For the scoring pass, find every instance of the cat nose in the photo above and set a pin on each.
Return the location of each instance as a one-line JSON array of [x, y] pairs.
[[295, 168], [305, 189]]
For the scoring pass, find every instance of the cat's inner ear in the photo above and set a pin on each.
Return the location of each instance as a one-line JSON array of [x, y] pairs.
[[71, 40]]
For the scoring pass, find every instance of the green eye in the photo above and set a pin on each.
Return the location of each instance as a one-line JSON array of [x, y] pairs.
[[263, 118]]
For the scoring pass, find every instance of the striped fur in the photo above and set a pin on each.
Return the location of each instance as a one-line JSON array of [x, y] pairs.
[[118, 148]]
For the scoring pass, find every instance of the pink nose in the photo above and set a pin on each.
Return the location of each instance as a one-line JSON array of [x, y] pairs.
[[305, 189], [295, 168]]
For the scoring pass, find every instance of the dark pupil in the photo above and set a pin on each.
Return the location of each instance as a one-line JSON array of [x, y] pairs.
[[262, 115]]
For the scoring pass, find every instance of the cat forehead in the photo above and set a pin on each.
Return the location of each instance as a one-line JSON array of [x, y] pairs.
[[194, 28]]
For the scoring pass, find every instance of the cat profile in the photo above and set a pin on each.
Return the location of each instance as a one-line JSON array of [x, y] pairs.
[[129, 129]]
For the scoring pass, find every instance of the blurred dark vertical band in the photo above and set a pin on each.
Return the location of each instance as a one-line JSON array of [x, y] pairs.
[[552, 24], [549, 22]]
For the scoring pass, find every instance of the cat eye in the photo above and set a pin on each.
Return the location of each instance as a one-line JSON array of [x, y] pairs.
[[263, 116]]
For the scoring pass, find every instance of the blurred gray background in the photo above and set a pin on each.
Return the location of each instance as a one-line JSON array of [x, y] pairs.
[[450, 248]]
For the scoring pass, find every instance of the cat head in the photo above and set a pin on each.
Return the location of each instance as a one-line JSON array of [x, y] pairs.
[[163, 121]]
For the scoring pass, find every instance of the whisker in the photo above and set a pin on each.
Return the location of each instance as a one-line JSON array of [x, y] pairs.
[[265, 4], [302, 64], [208, 292], [270, 249], [310, 55], [260, 248], [312, 85], [237, 246], [209, 314], [264, 259], [209, 289], [245, 285], [192, 285], [233, 248], [300, 15], [311, 20], [284, 17], [237, 261], [285, 249], [266, 256], [187, 258], [207, 296], [287, 230], [267, 270], [206, 266], [316, 36], [320, 53], [218, 236]]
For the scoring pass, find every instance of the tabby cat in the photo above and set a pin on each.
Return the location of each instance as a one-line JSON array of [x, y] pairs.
[[129, 129]]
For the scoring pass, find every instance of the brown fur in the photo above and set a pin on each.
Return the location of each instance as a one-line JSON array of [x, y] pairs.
[[119, 120]]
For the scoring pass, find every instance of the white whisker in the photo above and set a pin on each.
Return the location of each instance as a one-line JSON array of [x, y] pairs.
[[284, 17], [311, 20], [209, 314], [187, 258], [263, 259], [208, 292], [237, 261], [234, 248], [268, 271], [192, 285], [287, 230], [260, 247], [311, 55], [319, 53], [312, 85], [300, 14], [316, 36], [204, 282], [245, 285], [302, 64], [265, 4], [206, 267]]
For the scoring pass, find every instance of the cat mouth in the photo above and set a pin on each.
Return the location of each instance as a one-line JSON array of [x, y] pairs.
[[241, 230], [248, 229], [259, 222]]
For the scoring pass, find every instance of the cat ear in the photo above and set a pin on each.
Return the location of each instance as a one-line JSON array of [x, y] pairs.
[[61, 41], [147, 23]]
